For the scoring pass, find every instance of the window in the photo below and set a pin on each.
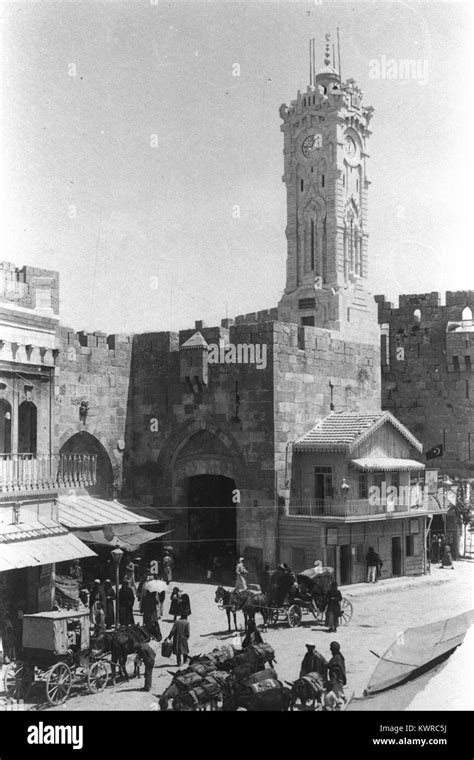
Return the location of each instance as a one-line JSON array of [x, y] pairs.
[[307, 321], [417, 315], [312, 244], [27, 428], [467, 362], [322, 180], [466, 314], [363, 485], [456, 363], [323, 483], [409, 546], [302, 185]]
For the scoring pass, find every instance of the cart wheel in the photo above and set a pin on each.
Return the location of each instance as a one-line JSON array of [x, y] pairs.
[[18, 679], [294, 616], [58, 683], [272, 616], [318, 614], [346, 611], [97, 677]]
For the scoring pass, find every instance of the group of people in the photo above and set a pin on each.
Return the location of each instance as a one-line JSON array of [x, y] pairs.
[[441, 551], [332, 672]]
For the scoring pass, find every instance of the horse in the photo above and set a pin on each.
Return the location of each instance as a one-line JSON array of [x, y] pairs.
[[309, 690], [120, 643], [232, 601]]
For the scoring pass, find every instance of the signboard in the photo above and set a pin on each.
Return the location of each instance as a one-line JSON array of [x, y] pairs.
[[331, 536], [431, 481], [414, 525]]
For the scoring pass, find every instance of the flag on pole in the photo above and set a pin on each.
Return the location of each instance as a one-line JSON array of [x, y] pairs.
[[435, 452]]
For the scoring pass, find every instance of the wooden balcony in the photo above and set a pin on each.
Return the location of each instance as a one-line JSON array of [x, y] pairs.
[[20, 473], [358, 509]]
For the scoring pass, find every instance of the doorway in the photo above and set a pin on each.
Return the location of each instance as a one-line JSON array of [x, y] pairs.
[[346, 565], [27, 428], [396, 555], [212, 522]]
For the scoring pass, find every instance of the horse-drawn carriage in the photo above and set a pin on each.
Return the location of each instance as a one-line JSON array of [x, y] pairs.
[[56, 652], [308, 597]]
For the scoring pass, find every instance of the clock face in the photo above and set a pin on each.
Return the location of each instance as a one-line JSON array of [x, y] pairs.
[[311, 145], [350, 147]]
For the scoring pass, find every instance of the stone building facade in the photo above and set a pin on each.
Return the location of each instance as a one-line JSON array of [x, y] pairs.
[[427, 355], [201, 424]]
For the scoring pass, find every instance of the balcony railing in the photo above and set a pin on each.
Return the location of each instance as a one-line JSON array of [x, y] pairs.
[[362, 507], [29, 472]]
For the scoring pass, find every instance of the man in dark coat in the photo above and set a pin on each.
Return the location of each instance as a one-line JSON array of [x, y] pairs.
[[373, 561], [337, 669], [313, 662], [147, 656], [97, 595], [333, 609], [126, 600], [180, 635]]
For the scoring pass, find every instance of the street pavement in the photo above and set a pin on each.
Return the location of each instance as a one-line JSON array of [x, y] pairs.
[[381, 612]]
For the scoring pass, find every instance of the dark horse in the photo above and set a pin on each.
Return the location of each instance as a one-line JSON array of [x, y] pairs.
[[120, 644], [249, 602]]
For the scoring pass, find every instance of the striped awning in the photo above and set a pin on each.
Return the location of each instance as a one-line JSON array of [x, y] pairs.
[[387, 464], [82, 511]]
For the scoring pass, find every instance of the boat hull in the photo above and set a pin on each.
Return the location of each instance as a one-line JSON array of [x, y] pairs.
[[418, 649]]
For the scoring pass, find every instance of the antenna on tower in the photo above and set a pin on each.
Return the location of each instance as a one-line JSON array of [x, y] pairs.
[[310, 64], [333, 57], [339, 54], [314, 62]]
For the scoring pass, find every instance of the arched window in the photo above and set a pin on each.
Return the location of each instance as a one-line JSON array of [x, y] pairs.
[[313, 240], [417, 315], [27, 428], [5, 427], [466, 314]]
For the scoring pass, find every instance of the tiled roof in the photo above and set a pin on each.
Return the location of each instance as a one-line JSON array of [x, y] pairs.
[[343, 431]]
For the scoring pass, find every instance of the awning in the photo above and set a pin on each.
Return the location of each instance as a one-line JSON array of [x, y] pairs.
[[128, 537], [378, 464], [84, 511], [42, 551]]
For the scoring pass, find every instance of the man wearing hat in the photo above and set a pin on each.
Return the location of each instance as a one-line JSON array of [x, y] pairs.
[[313, 662]]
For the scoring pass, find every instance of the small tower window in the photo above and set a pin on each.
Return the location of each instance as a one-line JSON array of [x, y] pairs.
[[302, 185], [417, 315], [304, 101], [466, 314], [343, 180], [322, 180]]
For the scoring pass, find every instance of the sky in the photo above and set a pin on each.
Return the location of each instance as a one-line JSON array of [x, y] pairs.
[[128, 143]]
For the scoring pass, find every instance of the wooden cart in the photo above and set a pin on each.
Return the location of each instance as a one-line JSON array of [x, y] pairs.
[[56, 652]]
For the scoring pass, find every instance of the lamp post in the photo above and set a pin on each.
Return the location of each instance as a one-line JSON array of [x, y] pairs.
[[117, 555]]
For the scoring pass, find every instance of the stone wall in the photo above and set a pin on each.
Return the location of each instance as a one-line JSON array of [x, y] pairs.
[[93, 368], [427, 380]]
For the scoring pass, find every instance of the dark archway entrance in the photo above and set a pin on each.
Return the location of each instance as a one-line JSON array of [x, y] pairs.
[[85, 443], [212, 522], [27, 428]]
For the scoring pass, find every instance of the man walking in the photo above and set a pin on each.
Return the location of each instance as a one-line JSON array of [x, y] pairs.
[[146, 654]]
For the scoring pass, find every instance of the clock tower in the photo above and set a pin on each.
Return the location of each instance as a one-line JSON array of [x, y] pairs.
[[326, 130]]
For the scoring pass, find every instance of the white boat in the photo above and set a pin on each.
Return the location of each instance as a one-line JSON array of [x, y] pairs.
[[418, 649]]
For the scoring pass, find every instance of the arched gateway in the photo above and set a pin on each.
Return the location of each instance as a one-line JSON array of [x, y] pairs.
[[206, 468]]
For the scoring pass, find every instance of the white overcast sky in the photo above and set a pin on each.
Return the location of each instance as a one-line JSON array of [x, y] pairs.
[[81, 145]]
